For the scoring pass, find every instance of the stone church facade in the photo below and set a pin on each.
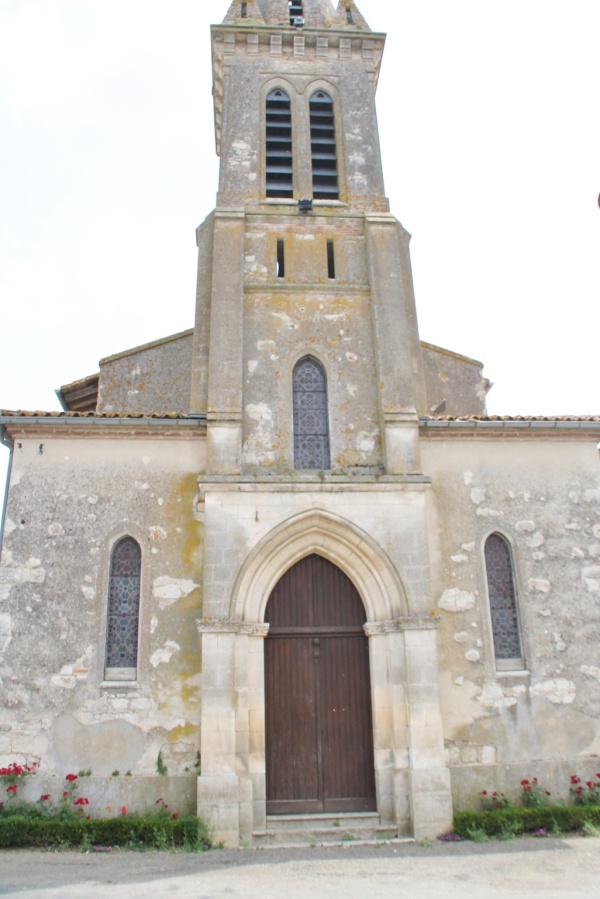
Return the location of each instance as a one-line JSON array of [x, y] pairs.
[[287, 549]]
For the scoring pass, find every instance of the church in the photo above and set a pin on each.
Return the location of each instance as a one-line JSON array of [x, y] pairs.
[[284, 561]]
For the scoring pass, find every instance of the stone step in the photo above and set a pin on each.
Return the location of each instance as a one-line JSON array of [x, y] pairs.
[[319, 830], [332, 819]]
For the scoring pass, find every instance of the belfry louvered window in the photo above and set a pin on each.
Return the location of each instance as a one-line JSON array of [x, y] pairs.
[[311, 429], [123, 610], [296, 11], [323, 148], [279, 170], [503, 603]]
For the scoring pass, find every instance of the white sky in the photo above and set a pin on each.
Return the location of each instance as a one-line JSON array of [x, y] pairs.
[[490, 130]]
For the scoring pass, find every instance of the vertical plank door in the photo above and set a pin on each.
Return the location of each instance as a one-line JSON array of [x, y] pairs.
[[319, 732]]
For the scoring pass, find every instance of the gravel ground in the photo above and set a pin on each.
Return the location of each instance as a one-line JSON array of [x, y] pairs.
[[551, 868]]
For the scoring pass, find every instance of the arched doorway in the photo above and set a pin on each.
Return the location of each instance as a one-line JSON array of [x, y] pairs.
[[319, 732]]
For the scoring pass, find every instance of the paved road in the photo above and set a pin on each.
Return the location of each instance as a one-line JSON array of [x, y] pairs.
[[550, 868]]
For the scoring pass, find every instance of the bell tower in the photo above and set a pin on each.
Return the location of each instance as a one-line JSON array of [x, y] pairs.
[[301, 261], [307, 365]]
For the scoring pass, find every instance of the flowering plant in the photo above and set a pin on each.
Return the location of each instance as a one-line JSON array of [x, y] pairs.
[[533, 796], [491, 801], [587, 793], [12, 775]]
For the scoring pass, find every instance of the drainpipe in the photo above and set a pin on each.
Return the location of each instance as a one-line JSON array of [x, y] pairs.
[[7, 442]]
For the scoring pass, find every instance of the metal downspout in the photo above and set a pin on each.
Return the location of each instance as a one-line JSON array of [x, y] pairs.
[[6, 441]]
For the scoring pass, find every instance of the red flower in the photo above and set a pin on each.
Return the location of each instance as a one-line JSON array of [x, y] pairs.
[[535, 780], [81, 801], [483, 793], [524, 783], [175, 816], [12, 789], [548, 794], [575, 779], [123, 809], [45, 797], [65, 794], [71, 777]]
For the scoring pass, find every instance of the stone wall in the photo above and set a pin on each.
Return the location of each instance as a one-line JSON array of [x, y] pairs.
[[333, 323], [108, 795], [543, 496], [454, 383], [70, 501], [150, 378]]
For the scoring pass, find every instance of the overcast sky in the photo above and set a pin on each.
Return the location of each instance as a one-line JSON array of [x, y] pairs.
[[490, 129]]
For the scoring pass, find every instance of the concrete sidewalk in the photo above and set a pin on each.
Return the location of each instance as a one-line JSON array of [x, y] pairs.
[[552, 868]]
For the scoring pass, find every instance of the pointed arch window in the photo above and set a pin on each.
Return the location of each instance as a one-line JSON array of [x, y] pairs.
[[279, 158], [503, 603], [123, 610], [323, 147], [311, 427]]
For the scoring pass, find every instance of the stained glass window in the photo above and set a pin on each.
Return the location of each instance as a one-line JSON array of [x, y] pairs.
[[124, 606], [311, 429], [503, 600]]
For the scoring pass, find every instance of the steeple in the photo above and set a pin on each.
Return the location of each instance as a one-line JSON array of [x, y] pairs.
[[244, 12], [349, 16], [297, 14], [304, 275], [306, 39]]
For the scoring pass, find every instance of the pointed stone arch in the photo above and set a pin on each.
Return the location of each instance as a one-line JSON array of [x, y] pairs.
[[336, 539]]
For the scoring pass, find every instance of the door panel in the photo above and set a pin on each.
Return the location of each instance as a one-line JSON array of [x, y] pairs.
[[319, 733], [348, 769]]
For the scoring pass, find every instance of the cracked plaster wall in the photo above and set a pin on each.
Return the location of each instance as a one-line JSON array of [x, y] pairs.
[[67, 506], [545, 720]]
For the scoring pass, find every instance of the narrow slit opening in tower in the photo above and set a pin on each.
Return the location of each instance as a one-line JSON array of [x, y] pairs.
[[349, 18], [244, 10], [280, 259], [330, 260]]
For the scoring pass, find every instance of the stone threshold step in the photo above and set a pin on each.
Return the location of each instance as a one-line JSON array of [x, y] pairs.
[[310, 822], [345, 844]]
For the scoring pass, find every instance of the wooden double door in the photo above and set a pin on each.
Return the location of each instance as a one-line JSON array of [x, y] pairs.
[[319, 732]]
